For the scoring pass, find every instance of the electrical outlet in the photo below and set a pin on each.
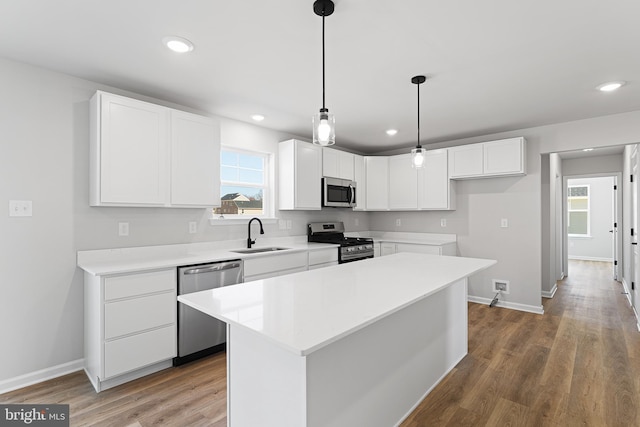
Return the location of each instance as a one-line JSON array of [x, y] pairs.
[[504, 223], [288, 224], [398, 222], [193, 227], [20, 208], [282, 224], [443, 222], [501, 286], [356, 222], [123, 229]]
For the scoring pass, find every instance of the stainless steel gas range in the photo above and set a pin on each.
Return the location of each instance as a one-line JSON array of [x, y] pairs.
[[351, 248]]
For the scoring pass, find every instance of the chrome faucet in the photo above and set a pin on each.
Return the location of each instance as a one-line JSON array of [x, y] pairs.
[[249, 241]]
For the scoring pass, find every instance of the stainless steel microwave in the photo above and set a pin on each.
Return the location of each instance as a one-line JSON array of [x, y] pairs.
[[338, 193]]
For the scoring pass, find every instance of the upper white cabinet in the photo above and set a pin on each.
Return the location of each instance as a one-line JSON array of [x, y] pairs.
[[142, 154], [377, 178], [195, 160], [299, 177], [360, 177], [337, 163], [488, 159], [403, 183], [435, 190]]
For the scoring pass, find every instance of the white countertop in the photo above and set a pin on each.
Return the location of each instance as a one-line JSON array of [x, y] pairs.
[[305, 311], [127, 260]]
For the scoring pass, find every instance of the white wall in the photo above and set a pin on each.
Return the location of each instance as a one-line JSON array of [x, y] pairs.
[[599, 245], [44, 152]]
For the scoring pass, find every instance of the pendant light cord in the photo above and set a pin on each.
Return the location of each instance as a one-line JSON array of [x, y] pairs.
[[323, 107], [419, 146]]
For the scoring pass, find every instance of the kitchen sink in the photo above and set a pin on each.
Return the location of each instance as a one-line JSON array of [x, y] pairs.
[[259, 250]]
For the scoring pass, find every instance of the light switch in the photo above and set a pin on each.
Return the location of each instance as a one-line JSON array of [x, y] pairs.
[[193, 227], [504, 223], [20, 208], [443, 222]]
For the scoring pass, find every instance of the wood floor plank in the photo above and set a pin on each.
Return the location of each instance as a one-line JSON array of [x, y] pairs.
[[576, 365]]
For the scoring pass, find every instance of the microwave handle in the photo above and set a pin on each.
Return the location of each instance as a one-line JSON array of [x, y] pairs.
[[352, 194]]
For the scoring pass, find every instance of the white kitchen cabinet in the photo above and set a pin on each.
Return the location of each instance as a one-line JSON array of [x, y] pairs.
[[403, 183], [265, 266], [130, 325], [142, 154], [388, 248], [195, 160], [435, 189], [322, 258], [360, 177], [505, 157], [337, 163], [377, 178], [299, 175]]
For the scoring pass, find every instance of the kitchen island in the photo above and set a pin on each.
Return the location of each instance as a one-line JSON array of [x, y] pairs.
[[354, 344]]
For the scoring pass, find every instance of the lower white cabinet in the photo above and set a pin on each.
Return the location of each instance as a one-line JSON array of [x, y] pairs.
[[130, 325], [263, 267], [388, 248], [322, 258]]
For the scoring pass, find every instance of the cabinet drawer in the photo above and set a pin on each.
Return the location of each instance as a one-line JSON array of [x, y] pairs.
[[323, 256], [140, 350], [137, 314], [421, 249], [267, 264], [139, 284]]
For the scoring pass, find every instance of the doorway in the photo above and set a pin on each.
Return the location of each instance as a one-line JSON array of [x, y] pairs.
[[591, 213]]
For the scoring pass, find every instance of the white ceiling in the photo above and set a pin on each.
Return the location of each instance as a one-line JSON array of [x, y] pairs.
[[492, 66]]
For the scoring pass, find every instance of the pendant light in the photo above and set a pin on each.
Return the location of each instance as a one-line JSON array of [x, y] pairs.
[[324, 131], [417, 154]]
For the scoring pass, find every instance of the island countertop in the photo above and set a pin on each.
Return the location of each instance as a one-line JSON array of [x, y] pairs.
[[303, 312]]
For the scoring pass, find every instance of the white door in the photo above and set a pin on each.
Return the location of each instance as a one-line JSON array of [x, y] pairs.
[[635, 260]]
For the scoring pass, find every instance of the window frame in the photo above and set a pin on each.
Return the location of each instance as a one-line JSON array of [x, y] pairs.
[[587, 210], [268, 190]]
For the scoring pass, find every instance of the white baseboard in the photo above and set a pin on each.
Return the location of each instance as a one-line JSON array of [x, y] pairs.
[[40, 376], [590, 258], [551, 293], [507, 304]]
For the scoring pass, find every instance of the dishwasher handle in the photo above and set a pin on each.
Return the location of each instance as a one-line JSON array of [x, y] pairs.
[[213, 268]]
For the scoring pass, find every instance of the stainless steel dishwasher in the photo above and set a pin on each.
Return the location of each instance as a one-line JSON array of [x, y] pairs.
[[198, 333]]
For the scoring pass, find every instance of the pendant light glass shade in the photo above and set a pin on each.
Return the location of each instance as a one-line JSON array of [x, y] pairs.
[[417, 157], [324, 129], [324, 124], [417, 154]]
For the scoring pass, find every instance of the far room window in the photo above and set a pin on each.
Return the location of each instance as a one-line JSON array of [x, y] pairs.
[[244, 189], [578, 211]]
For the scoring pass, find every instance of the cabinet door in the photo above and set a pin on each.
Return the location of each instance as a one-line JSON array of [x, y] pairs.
[[195, 160], [132, 153], [359, 177], [504, 157], [403, 183], [337, 164], [387, 248], [433, 181], [299, 175], [377, 177], [465, 161]]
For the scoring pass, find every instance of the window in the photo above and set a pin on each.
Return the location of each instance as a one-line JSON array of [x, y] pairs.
[[578, 210], [244, 184]]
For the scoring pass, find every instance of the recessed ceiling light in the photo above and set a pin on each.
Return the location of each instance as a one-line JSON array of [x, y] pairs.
[[610, 86], [258, 117], [392, 132], [178, 44], [587, 149]]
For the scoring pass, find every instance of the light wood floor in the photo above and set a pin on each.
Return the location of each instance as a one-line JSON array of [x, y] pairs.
[[576, 365]]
